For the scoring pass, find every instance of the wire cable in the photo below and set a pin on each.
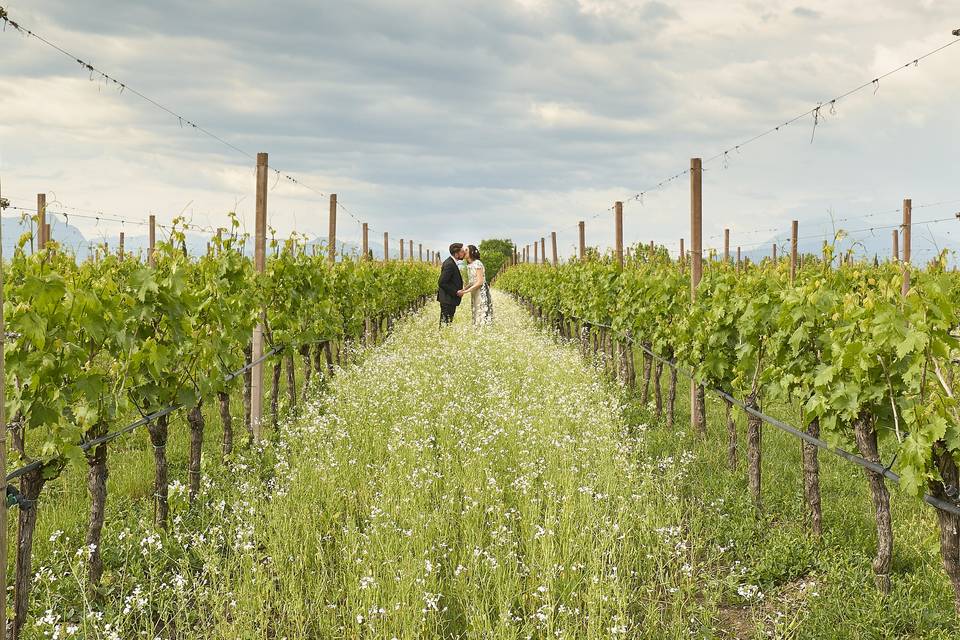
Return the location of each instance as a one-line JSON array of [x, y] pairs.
[[783, 426], [94, 71]]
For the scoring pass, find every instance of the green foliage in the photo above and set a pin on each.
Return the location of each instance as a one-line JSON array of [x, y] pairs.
[[495, 253], [841, 343], [101, 339]]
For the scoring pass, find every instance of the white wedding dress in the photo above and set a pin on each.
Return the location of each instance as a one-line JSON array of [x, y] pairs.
[[480, 299]]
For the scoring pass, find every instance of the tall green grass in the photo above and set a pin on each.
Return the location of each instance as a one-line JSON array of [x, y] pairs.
[[486, 483]]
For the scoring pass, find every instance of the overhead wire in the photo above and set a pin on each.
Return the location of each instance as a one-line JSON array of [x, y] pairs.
[[815, 111], [945, 505], [123, 86]]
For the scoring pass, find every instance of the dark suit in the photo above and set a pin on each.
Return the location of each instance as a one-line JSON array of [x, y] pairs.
[[450, 282]]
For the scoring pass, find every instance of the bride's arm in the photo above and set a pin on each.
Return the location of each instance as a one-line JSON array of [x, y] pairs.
[[481, 278]]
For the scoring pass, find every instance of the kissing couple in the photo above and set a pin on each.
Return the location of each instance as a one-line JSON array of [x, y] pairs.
[[450, 289]]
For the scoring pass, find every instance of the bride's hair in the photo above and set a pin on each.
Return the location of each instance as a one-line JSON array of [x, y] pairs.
[[474, 252]]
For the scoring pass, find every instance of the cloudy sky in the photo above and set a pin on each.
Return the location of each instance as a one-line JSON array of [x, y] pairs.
[[444, 120]]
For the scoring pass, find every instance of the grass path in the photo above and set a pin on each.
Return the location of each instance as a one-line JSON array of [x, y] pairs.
[[481, 484], [484, 484], [491, 484]]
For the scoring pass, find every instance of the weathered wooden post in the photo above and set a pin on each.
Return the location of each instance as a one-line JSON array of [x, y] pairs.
[[896, 245], [402, 250], [386, 246], [120, 248], [699, 422], [683, 256], [366, 240], [420, 247], [793, 251], [259, 263], [907, 214], [553, 242], [41, 221], [3, 451], [739, 261], [332, 239], [543, 250], [618, 232], [411, 250], [583, 240], [726, 246]]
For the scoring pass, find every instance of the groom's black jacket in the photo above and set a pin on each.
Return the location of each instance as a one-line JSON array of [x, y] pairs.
[[450, 282]]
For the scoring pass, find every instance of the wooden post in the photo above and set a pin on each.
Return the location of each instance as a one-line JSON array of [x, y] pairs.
[[553, 242], [793, 251], [774, 251], [366, 240], [386, 246], [259, 263], [402, 250], [46, 233], [332, 234], [420, 247], [543, 250], [907, 214], [411, 250], [618, 232], [696, 262], [536, 252], [3, 458], [41, 221], [120, 248], [583, 240], [683, 256], [896, 245], [726, 245], [738, 259]]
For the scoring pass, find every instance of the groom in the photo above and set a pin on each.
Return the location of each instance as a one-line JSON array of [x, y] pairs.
[[450, 287]]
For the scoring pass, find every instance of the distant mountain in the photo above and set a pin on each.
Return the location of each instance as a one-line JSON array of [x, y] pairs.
[[74, 241], [866, 238], [14, 227]]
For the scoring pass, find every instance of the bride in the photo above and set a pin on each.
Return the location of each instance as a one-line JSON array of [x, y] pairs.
[[478, 288]]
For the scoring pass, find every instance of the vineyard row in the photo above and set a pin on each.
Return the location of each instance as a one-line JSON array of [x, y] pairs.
[[96, 343], [868, 363]]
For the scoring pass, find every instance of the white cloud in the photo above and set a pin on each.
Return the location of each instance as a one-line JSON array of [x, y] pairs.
[[501, 117]]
